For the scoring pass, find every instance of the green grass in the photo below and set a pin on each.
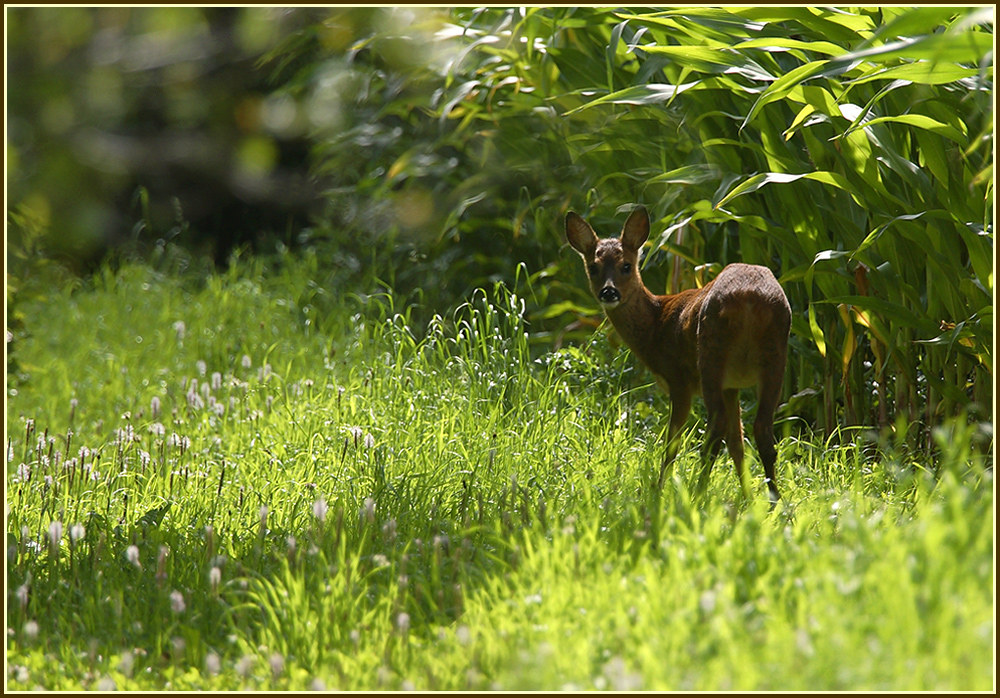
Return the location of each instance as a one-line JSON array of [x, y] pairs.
[[337, 503]]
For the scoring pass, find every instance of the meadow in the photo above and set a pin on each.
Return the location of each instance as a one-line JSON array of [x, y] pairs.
[[250, 480]]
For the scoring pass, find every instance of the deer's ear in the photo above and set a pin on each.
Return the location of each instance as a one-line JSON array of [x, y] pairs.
[[580, 235], [636, 230]]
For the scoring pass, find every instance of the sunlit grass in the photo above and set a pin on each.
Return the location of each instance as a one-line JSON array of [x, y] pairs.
[[281, 488]]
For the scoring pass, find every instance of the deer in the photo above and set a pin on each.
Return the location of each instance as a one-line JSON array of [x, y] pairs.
[[731, 333]]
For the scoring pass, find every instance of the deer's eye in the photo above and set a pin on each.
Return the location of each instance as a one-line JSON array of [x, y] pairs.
[[626, 268]]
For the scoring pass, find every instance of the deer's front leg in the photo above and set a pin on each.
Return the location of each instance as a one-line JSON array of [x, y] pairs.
[[680, 407]]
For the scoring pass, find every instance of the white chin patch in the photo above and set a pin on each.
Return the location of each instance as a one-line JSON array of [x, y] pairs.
[[610, 306]]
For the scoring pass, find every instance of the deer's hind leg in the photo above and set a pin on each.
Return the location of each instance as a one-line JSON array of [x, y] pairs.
[[769, 394], [734, 435]]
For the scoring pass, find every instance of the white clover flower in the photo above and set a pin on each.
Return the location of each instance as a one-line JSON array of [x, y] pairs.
[[368, 510], [320, 508], [244, 666], [126, 663], [22, 594], [277, 663], [177, 602], [212, 663], [55, 532]]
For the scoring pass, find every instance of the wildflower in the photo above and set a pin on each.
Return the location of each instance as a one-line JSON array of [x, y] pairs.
[[154, 407], [320, 509], [31, 630], [55, 533], [369, 441], [76, 532], [126, 663], [215, 578], [201, 366], [212, 663], [161, 566], [157, 429], [403, 622], [107, 684], [22, 595], [195, 401], [132, 553], [356, 432], [244, 666], [368, 510], [23, 473], [277, 663], [216, 381], [380, 560], [463, 635], [177, 602], [180, 329], [246, 362]]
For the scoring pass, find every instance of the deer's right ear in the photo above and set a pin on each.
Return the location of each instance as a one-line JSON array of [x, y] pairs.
[[581, 236], [636, 230]]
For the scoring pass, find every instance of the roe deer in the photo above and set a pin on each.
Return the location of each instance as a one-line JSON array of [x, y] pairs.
[[730, 334]]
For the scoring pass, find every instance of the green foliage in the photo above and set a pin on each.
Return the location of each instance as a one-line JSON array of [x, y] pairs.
[[847, 149], [289, 493]]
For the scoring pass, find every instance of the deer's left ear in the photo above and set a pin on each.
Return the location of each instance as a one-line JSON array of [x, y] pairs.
[[636, 230], [581, 236]]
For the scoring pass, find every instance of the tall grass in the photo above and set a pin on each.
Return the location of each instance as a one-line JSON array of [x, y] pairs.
[[291, 490]]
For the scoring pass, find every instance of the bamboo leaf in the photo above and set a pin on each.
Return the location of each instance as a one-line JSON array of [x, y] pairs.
[[900, 314], [757, 181], [919, 121], [637, 94]]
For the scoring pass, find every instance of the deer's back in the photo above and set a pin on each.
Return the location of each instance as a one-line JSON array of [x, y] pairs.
[[743, 324]]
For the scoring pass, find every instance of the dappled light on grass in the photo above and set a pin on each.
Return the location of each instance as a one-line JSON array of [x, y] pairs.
[[379, 508]]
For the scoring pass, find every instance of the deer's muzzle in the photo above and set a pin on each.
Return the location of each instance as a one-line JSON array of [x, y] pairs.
[[609, 295]]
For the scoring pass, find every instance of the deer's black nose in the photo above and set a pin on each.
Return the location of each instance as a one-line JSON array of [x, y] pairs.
[[609, 294]]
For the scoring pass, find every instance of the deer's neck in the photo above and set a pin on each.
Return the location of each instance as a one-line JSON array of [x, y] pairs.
[[660, 331]]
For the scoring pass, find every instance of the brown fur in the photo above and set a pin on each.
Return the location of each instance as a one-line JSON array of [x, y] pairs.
[[730, 334]]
